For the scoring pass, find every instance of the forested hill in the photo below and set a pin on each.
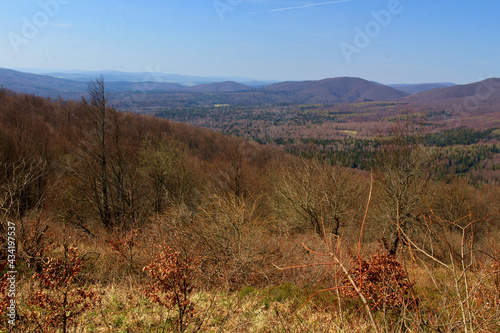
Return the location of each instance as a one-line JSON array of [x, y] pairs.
[[477, 97], [336, 90], [93, 162]]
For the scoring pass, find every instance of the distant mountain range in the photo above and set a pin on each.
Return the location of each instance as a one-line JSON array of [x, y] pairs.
[[327, 91], [152, 76], [124, 93], [50, 86], [42, 85], [226, 86]]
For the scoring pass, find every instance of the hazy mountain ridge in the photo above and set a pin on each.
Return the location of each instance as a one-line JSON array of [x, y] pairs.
[[152, 76], [42, 85], [226, 86], [327, 91]]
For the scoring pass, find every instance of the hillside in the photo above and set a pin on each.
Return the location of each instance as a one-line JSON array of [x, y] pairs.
[[41, 85], [486, 92], [336, 90]]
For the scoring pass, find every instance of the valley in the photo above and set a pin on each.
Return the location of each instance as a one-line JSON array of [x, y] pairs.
[[242, 208], [343, 120]]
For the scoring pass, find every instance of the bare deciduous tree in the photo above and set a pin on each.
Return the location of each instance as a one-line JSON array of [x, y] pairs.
[[404, 182], [105, 166], [311, 192], [95, 150]]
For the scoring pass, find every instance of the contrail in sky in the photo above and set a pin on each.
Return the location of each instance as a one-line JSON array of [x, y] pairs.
[[310, 5]]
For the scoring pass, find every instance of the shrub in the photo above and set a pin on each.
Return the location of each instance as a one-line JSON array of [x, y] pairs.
[[382, 280], [59, 297], [174, 276], [123, 245]]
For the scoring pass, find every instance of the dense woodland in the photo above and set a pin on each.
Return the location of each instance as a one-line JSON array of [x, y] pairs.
[[229, 234], [350, 134], [464, 153]]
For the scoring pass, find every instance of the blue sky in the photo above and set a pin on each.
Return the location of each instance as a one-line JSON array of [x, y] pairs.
[[411, 41]]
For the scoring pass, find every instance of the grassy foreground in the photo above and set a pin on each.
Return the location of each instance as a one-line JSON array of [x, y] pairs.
[[83, 289]]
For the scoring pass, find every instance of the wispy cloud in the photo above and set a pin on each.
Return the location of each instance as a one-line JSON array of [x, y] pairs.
[[309, 5]]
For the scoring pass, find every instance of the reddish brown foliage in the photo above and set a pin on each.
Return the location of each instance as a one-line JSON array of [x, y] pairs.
[[60, 297], [382, 280], [487, 295], [175, 276], [124, 244]]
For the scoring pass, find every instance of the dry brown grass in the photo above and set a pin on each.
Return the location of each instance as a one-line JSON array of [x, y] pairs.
[[416, 291]]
